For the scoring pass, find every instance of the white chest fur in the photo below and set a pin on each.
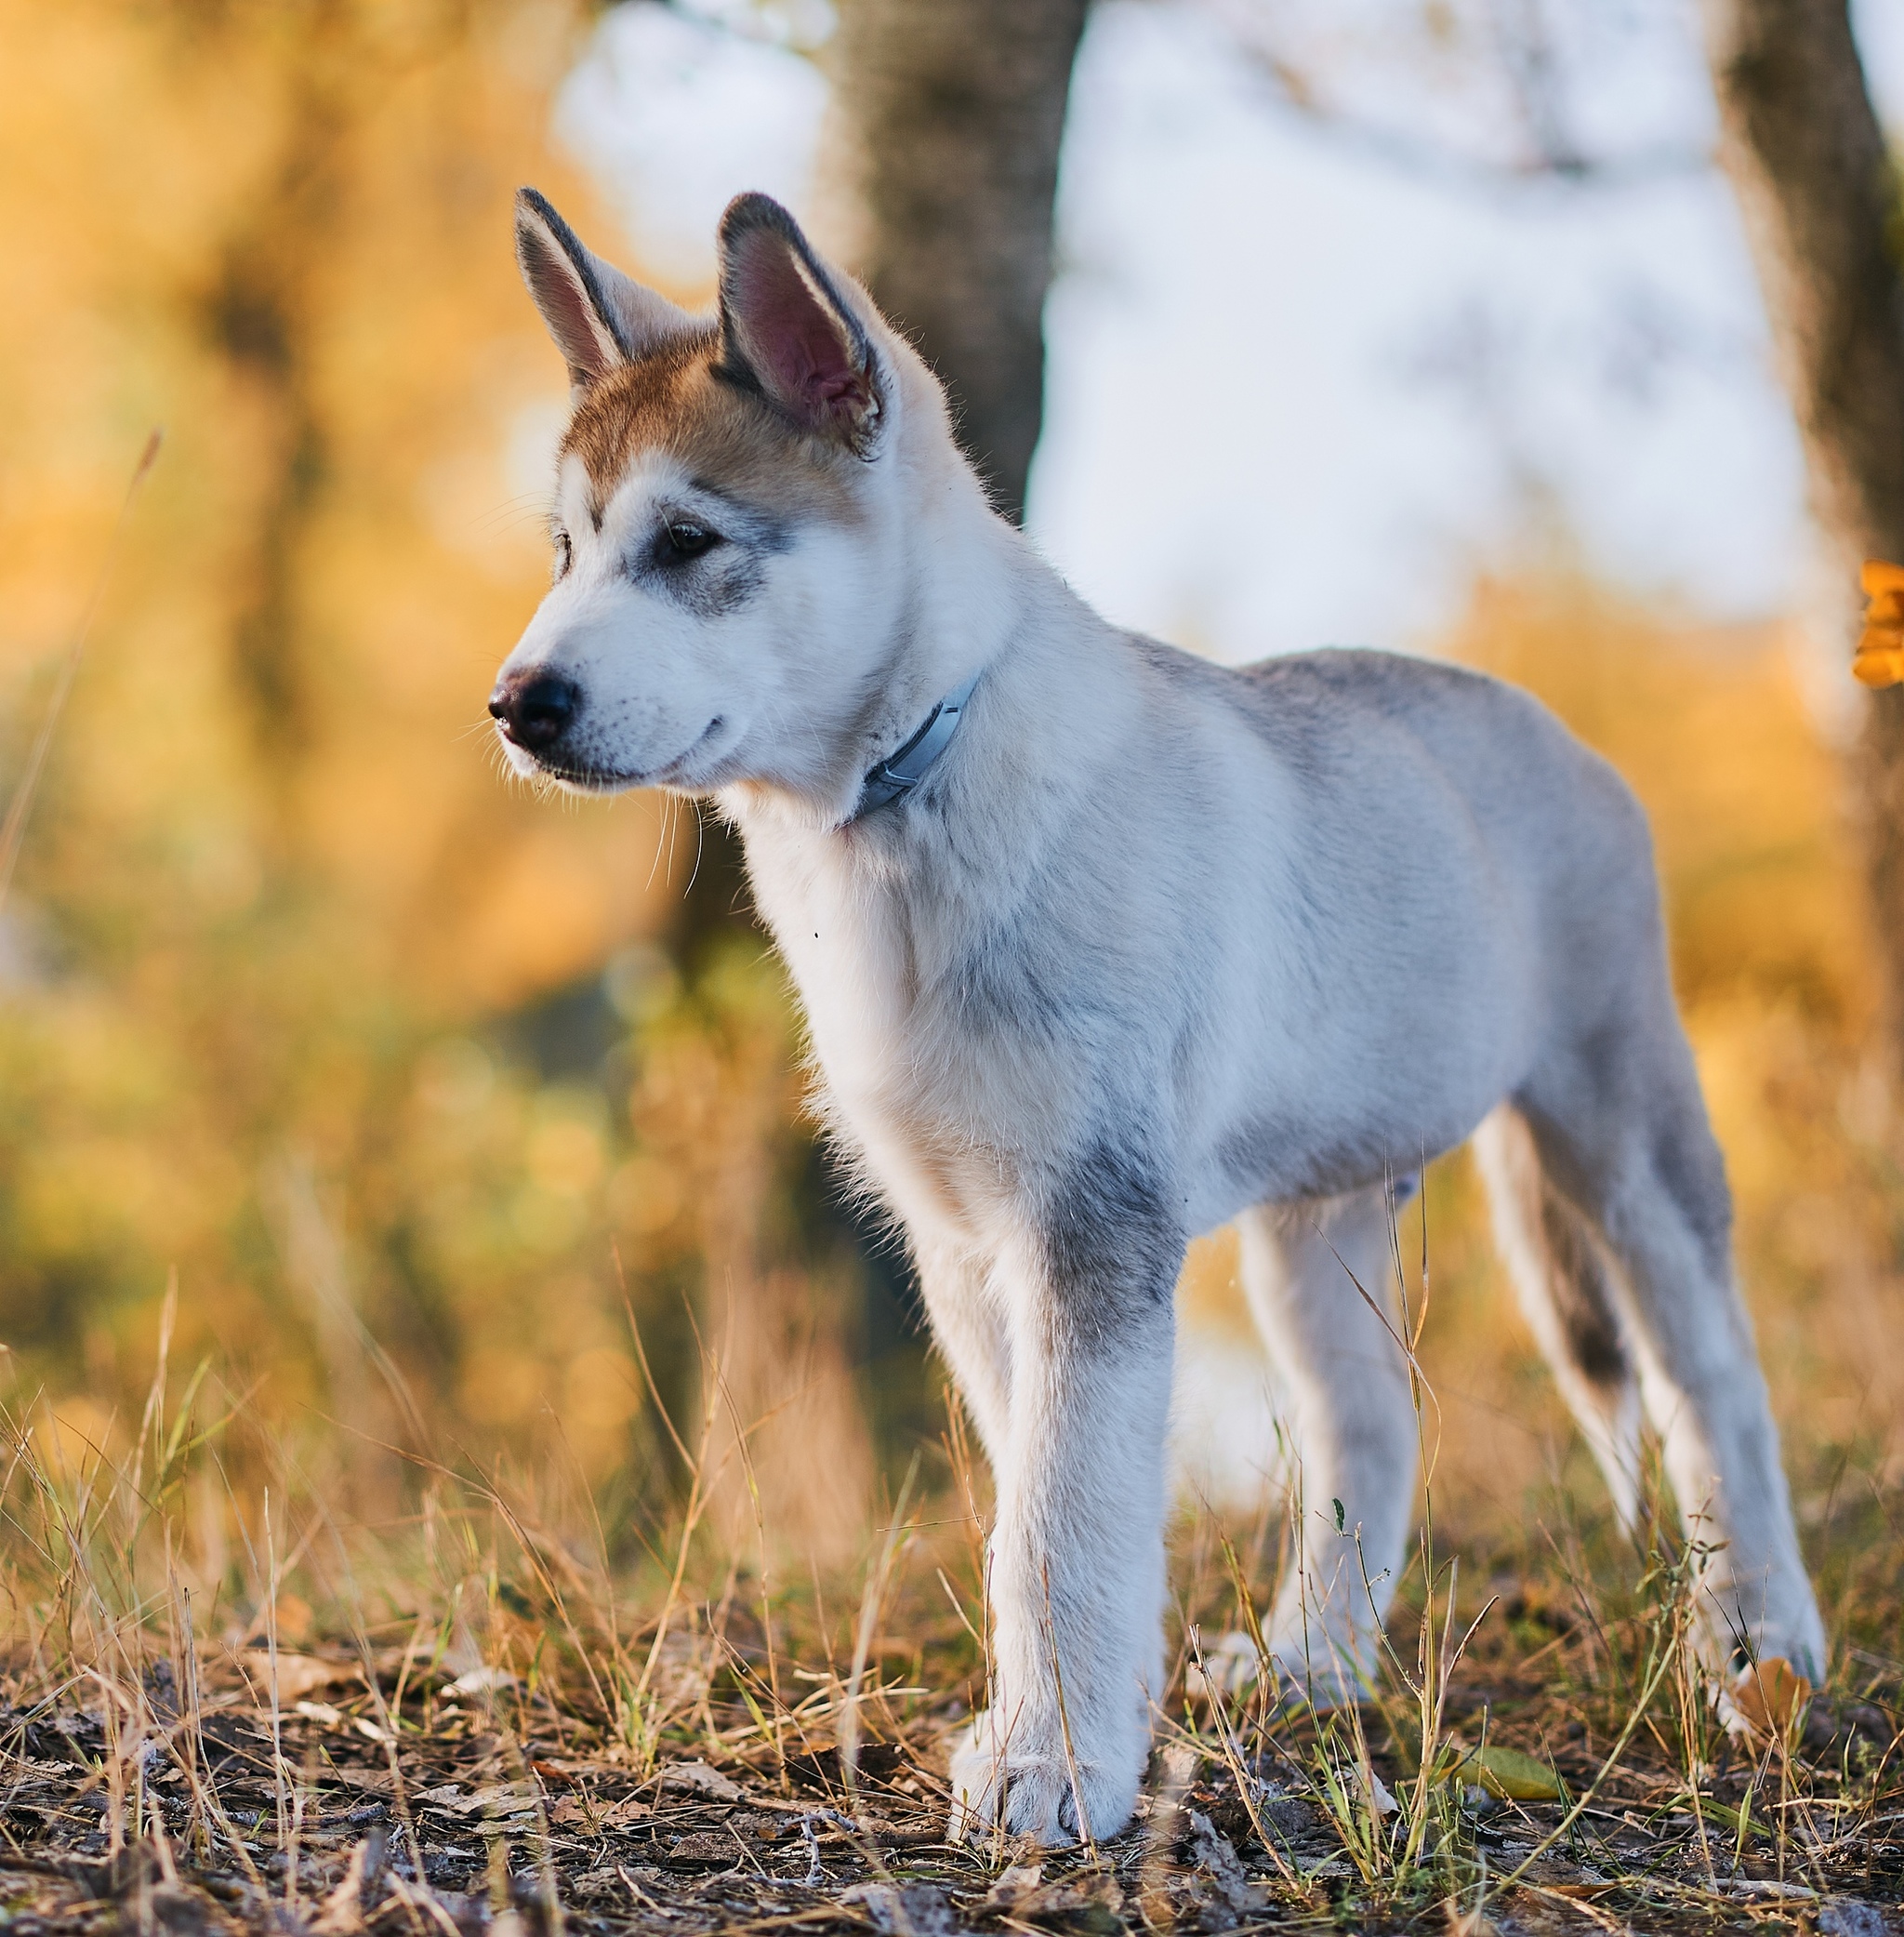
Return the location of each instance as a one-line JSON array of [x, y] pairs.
[[893, 1082]]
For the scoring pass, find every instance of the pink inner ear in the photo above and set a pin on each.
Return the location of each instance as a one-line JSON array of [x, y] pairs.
[[565, 305], [800, 350]]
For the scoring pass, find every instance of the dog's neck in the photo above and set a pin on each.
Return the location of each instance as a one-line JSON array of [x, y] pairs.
[[966, 592], [992, 807]]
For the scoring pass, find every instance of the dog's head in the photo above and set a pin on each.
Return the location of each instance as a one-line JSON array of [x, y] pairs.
[[728, 518]]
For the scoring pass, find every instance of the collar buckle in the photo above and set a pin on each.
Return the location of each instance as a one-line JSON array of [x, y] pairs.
[[899, 772]]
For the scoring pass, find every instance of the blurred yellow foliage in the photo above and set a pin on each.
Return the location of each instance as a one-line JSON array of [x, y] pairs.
[[301, 1000], [276, 905]]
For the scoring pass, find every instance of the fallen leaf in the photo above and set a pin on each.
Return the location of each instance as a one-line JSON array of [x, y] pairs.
[[1765, 1700], [699, 1779], [1507, 1775], [480, 1681], [498, 1799], [904, 1909], [706, 1846], [1216, 1856], [761, 1829], [298, 1675], [1087, 1900], [1012, 1885], [1554, 1878], [901, 1835]]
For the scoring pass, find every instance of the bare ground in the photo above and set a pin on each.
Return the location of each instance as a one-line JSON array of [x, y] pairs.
[[397, 1797]]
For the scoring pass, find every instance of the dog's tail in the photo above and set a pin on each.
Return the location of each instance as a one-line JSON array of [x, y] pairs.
[[1571, 1295]]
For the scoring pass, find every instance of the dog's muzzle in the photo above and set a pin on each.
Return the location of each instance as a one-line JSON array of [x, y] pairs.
[[535, 709]]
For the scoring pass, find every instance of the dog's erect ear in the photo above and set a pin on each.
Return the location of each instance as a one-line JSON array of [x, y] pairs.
[[599, 317], [787, 330]]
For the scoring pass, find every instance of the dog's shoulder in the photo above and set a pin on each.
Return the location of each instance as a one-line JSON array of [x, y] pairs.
[[1336, 677], [1361, 679], [1353, 725], [1340, 695]]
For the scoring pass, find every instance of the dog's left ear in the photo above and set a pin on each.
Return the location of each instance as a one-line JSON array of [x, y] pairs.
[[600, 318], [788, 333]]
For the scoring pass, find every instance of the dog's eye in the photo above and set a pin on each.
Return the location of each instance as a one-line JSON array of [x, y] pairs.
[[687, 539], [564, 557]]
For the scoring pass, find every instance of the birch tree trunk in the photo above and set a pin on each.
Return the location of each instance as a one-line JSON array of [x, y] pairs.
[[940, 158], [1801, 143]]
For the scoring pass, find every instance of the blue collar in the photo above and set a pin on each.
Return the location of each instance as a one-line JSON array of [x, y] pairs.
[[898, 773]]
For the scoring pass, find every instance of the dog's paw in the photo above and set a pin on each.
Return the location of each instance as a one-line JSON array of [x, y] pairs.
[[1783, 1627], [1324, 1675], [1229, 1669], [1026, 1792], [1793, 1633], [1225, 1668]]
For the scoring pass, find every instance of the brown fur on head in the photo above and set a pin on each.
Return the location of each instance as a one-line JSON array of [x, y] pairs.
[[678, 398], [783, 381]]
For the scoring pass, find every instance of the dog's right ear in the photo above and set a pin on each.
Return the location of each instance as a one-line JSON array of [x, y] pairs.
[[600, 318], [787, 330]]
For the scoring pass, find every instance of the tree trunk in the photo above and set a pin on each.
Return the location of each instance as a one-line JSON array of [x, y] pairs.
[[942, 155], [1802, 145]]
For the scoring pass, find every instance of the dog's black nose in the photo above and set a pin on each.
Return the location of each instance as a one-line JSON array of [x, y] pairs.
[[536, 709]]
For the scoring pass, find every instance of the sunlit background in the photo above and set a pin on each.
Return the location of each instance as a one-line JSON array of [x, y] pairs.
[[458, 1115]]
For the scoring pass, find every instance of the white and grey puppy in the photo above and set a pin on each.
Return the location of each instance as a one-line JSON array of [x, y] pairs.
[[1146, 945]]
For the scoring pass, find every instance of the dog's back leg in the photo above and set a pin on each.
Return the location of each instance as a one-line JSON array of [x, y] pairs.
[[1320, 1281], [1620, 1128], [1566, 1289]]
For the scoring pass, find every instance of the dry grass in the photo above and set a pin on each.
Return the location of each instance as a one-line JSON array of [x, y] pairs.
[[226, 1708]]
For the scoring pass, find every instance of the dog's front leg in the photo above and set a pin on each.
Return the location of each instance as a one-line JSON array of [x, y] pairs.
[[969, 1328], [1076, 1560]]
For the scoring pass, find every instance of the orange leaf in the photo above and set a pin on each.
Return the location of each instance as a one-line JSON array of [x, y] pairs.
[[1880, 660], [1770, 1697]]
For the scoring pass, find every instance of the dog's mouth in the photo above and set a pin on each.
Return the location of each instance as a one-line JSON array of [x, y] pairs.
[[586, 779], [592, 777]]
